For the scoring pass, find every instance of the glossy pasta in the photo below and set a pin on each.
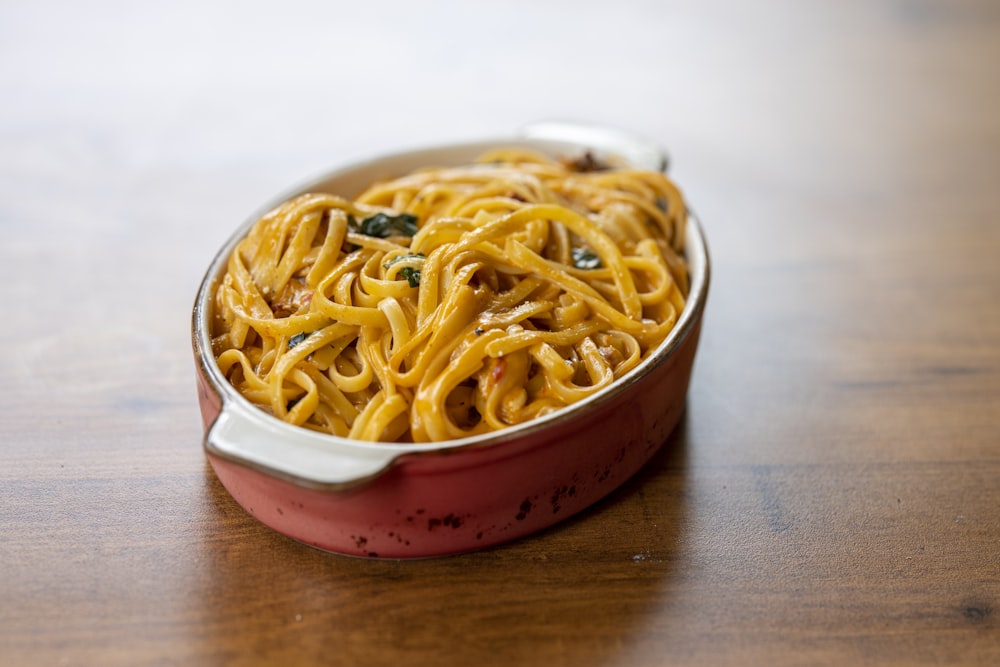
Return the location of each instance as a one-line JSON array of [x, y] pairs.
[[452, 301]]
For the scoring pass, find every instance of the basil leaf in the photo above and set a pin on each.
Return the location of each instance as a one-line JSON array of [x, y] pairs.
[[297, 338], [402, 258], [411, 274], [583, 258], [383, 225]]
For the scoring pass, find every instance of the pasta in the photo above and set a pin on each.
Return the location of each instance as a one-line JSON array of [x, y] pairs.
[[452, 301]]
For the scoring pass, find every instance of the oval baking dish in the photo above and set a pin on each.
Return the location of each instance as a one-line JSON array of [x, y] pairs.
[[401, 500]]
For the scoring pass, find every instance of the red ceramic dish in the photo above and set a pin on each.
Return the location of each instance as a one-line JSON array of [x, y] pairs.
[[402, 500]]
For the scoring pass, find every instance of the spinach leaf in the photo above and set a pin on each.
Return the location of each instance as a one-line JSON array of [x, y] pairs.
[[584, 258], [297, 338], [411, 274], [383, 225], [402, 258]]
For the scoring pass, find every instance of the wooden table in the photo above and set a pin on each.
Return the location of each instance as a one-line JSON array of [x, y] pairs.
[[833, 494]]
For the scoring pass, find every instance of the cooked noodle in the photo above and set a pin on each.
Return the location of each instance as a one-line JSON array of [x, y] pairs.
[[452, 301]]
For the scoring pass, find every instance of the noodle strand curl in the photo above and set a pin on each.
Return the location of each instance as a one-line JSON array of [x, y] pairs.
[[452, 301]]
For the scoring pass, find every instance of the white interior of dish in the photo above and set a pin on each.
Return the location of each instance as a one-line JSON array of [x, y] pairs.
[[246, 434]]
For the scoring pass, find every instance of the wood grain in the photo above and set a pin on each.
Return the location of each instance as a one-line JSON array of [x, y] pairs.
[[833, 494]]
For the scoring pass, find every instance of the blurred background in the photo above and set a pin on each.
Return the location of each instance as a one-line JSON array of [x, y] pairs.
[[149, 102], [170, 123]]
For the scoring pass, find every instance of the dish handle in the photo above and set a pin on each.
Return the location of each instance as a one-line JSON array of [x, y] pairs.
[[248, 436], [638, 151]]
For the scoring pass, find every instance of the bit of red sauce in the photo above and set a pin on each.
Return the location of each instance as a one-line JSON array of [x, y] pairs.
[[499, 368]]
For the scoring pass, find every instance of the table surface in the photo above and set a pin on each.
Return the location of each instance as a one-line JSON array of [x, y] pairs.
[[832, 495]]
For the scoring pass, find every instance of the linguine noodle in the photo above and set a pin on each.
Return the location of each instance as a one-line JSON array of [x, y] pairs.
[[452, 301]]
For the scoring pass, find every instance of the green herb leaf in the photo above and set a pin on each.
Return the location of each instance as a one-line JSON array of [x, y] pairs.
[[383, 225], [411, 274], [402, 258], [296, 339], [583, 258]]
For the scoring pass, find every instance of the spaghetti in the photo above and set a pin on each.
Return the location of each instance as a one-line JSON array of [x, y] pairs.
[[452, 301]]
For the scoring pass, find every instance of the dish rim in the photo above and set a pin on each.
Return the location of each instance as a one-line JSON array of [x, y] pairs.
[[232, 404]]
